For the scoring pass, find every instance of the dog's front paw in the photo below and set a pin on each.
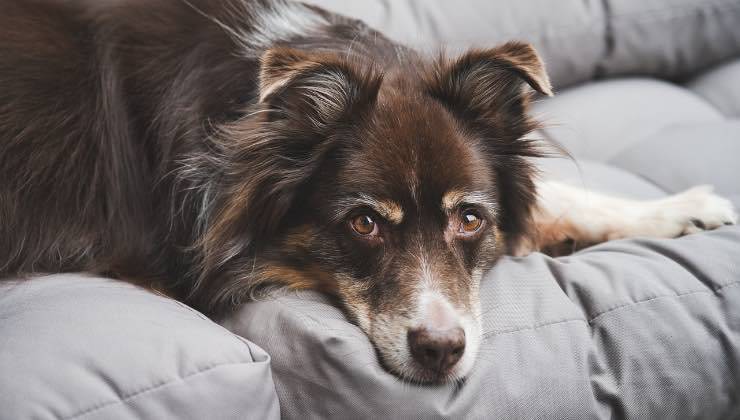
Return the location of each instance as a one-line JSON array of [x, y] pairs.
[[696, 210]]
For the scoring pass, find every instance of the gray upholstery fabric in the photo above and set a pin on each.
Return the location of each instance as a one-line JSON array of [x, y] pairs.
[[642, 329], [670, 38], [598, 176], [705, 154], [720, 87], [79, 347], [599, 120], [651, 132], [579, 39], [570, 36]]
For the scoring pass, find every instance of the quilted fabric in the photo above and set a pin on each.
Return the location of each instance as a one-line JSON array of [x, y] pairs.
[[79, 347], [640, 329], [719, 87]]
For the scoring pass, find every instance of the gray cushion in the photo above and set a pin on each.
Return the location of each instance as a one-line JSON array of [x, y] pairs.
[[74, 347], [570, 36], [601, 119], [644, 329], [670, 38], [650, 132], [721, 87], [598, 176], [685, 155]]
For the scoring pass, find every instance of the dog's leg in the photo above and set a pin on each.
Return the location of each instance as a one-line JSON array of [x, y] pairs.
[[578, 217]]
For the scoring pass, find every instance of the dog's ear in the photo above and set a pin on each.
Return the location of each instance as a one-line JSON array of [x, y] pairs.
[[320, 89], [490, 89], [272, 153], [305, 96], [491, 85]]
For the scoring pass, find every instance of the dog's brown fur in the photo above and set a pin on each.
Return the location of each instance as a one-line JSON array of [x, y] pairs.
[[189, 147]]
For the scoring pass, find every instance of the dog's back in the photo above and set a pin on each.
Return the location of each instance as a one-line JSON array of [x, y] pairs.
[[102, 104], [89, 111], [64, 144]]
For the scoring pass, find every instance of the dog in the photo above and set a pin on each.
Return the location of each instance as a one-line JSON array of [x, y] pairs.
[[210, 148]]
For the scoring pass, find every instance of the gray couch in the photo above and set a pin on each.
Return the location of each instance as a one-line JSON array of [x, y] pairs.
[[648, 102]]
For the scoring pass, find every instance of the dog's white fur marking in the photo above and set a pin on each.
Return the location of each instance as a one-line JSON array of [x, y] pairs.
[[436, 312], [433, 309], [565, 212]]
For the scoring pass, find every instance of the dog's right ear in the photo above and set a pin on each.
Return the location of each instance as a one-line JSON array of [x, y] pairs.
[[316, 88]]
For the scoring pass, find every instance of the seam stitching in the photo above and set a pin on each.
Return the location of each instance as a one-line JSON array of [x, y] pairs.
[[489, 334], [533, 327], [130, 396], [677, 295]]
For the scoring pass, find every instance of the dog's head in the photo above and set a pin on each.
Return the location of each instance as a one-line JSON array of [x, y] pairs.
[[392, 192]]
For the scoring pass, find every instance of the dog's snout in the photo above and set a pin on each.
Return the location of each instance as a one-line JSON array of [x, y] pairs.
[[435, 349]]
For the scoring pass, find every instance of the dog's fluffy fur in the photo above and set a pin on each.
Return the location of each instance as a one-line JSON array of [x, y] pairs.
[[207, 148]]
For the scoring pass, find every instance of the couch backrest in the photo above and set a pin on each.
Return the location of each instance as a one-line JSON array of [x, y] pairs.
[[579, 39]]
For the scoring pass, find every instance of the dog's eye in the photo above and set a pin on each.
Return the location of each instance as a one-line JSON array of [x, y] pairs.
[[364, 225], [471, 222]]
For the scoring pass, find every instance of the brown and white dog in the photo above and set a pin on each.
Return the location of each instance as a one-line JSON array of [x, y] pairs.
[[208, 148]]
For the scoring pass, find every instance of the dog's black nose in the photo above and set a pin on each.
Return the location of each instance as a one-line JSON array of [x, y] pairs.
[[438, 350]]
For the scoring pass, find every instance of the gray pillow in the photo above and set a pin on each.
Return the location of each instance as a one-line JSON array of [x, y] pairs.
[[670, 38], [571, 36], [79, 347], [721, 87], [600, 120], [579, 39], [698, 153], [643, 329]]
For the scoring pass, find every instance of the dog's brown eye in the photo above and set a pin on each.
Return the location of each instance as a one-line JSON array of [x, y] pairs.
[[364, 225], [471, 222]]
